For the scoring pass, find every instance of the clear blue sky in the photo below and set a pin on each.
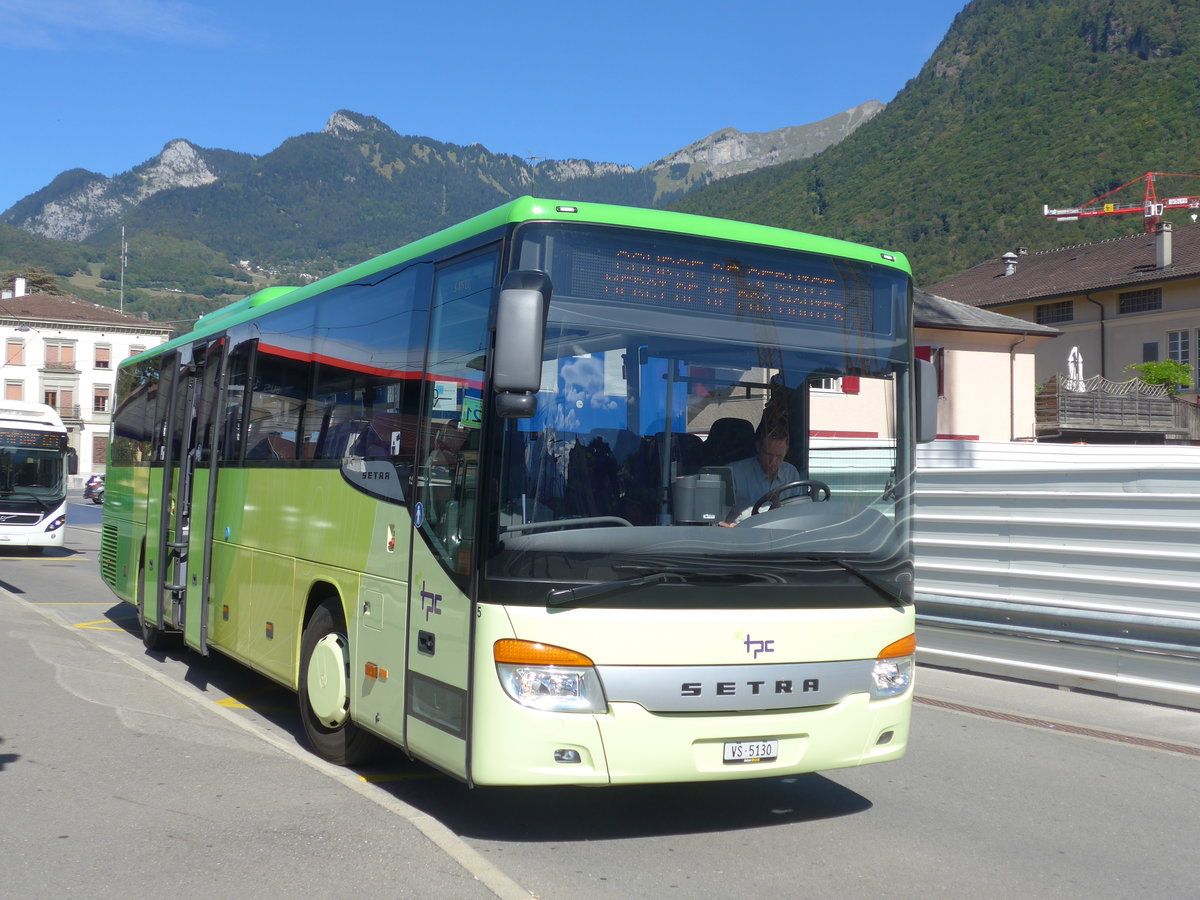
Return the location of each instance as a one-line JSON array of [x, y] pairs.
[[104, 84]]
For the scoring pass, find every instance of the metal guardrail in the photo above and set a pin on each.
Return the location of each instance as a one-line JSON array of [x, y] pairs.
[[1064, 565]]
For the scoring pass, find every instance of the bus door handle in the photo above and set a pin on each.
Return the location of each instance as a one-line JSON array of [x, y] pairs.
[[425, 642]]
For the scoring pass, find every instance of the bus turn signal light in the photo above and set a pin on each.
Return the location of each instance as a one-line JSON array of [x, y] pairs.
[[903, 647], [531, 653]]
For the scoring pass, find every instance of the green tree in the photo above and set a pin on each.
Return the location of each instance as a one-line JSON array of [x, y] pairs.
[[1173, 375], [37, 280]]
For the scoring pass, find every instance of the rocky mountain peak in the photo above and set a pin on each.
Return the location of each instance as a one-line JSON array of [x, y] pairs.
[[567, 169], [732, 152], [178, 165], [347, 124]]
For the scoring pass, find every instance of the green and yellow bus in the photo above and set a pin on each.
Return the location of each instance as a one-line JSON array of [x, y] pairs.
[[466, 498]]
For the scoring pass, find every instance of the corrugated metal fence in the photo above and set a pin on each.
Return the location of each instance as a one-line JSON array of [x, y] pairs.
[[1062, 564]]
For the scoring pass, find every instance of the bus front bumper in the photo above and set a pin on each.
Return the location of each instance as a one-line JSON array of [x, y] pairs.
[[629, 745]]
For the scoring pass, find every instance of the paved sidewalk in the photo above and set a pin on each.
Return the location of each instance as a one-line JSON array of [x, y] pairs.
[[114, 783]]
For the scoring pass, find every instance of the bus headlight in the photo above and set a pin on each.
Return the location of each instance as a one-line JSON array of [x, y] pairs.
[[892, 673], [57, 524], [542, 676]]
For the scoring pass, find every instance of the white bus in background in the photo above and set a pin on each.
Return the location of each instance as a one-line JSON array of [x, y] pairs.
[[35, 459]]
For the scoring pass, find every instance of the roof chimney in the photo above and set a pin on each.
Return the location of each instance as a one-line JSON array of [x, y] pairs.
[[1162, 246], [1010, 263], [19, 286]]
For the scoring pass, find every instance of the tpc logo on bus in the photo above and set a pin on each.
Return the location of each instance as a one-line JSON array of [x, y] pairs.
[[430, 602], [757, 647]]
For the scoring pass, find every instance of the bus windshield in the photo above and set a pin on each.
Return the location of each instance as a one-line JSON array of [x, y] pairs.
[[31, 465], [689, 385]]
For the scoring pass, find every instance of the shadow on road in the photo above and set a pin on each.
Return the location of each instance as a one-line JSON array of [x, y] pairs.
[[613, 813]]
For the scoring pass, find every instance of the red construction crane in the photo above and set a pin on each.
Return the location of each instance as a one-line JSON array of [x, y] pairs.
[[1151, 207]]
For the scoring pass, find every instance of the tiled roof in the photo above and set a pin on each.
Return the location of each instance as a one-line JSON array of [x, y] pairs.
[[1108, 265], [52, 308], [931, 311]]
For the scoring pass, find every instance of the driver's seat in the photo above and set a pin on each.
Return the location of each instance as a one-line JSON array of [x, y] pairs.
[[729, 440]]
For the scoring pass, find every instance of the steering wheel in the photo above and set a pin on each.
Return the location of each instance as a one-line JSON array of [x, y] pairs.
[[775, 497]]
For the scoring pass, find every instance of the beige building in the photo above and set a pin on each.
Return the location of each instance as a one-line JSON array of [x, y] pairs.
[[986, 368], [64, 352]]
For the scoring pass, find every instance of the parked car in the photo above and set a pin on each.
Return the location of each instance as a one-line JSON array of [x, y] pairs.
[[94, 489]]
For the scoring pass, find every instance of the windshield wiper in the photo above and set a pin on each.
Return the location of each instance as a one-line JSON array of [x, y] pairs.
[[887, 591], [565, 596], [26, 495], [870, 579]]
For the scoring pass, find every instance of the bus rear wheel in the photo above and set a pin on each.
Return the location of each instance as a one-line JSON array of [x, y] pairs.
[[325, 690]]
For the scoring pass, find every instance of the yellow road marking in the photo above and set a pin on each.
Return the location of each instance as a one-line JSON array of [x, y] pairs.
[[377, 779], [244, 701], [234, 703], [99, 625]]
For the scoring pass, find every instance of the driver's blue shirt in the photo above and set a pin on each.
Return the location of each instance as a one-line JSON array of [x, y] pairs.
[[750, 482]]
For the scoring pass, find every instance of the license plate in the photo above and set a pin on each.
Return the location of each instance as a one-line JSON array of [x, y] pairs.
[[751, 751]]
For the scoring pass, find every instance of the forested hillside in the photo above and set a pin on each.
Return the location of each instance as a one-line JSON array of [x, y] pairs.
[[1024, 103]]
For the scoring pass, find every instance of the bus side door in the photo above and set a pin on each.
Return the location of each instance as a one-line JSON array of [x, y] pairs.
[[200, 453], [163, 606]]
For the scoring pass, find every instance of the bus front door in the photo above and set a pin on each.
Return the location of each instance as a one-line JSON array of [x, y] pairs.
[[441, 609]]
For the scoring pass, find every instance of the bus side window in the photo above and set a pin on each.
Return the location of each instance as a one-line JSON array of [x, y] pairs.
[[235, 397], [368, 384], [277, 403]]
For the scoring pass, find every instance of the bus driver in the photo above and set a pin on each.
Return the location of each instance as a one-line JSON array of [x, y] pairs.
[[765, 471]]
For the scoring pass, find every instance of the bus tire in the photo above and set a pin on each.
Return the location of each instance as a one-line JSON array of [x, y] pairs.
[[325, 690], [153, 637]]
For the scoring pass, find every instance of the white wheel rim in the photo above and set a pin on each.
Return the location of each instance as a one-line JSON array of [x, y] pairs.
[[328, 694]]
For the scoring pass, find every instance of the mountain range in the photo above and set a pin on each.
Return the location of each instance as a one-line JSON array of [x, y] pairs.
[[358, 188]]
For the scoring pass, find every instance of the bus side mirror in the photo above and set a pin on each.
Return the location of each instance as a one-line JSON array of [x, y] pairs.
[[520, 328], [927, 401]]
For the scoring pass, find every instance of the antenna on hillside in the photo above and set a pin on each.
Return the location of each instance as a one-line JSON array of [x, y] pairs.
[[124, 257]]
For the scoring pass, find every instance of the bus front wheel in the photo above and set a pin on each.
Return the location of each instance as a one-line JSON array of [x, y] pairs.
[[325, 690]]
